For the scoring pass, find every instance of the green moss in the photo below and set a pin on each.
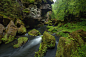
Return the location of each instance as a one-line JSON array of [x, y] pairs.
[[42, 50], [10, 9], [22, 29], [48, 41], [7, 38], [21, 40], [34, 32]]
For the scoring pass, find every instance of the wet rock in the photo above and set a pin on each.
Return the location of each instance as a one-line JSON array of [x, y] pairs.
[[1, 31], [22, 29], [34, 32], [11, 29], [21, 40]]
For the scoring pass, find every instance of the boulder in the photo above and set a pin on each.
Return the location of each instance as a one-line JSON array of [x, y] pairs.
[[48, 41], [68, 45], [1, 31], [21, 40], [22, 29], [34, 32], [10, 34], [11, 29]]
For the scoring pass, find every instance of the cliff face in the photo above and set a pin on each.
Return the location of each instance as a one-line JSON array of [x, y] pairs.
[[35, 11], [25, 10], [17, 15]]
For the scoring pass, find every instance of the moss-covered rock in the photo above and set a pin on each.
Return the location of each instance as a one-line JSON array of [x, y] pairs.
[[48, 41], [21, 40], [42, 50], [68, 45], [7, 39], [11, 29], [10, 34], [34, 32], [22, 29]]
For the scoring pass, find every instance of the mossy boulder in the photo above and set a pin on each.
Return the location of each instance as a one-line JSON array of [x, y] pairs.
[[7, 39], [48, 41], [10, 34], [34, 32], [42, 50], [21, 40], [68, 45], [22, 29], [11, 29]]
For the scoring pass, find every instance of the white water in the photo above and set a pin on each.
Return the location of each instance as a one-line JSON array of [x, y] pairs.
[[30, 44]]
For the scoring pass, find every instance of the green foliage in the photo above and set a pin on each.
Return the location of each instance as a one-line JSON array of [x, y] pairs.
[[65, 29], [10, 8], [63, 8], [61, 33], [82, 51], [30, 1], [52, 29]]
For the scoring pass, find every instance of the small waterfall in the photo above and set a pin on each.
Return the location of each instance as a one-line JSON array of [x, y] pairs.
[[23, 50]]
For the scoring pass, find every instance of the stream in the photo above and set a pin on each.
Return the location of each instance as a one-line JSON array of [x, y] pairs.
[[29, 48]]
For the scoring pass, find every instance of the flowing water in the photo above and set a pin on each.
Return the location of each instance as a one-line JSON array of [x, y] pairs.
[[29, 48]]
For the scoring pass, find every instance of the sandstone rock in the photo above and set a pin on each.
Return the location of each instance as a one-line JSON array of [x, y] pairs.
[[21, 40], [22, 29], [11, 29], [1, 31], [34, 32]]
